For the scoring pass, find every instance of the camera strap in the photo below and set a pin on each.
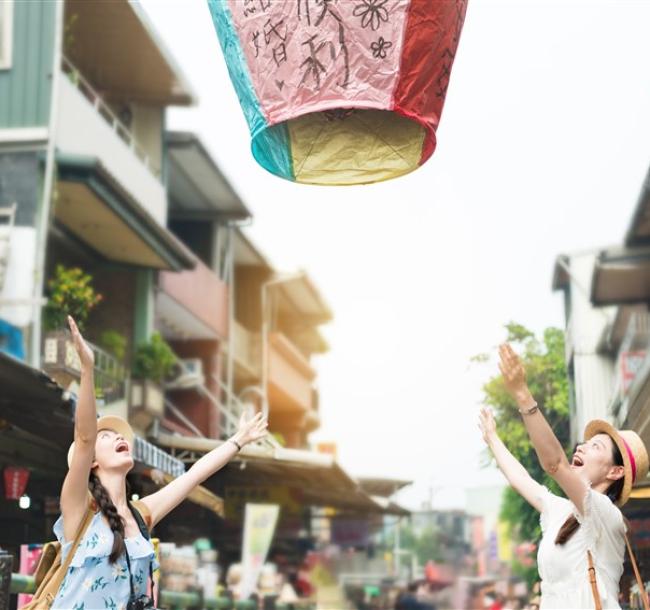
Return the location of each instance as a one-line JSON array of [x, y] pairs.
[[128, 565], [144, 531]]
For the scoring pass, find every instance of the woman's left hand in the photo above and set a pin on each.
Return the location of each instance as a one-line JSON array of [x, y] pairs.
[[251, 430], [513, 371]]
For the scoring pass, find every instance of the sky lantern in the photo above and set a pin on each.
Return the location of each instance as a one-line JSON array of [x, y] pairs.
[[340, 92]]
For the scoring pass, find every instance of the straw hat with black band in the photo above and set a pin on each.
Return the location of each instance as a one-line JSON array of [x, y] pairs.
[[633, 451], [110, 422]]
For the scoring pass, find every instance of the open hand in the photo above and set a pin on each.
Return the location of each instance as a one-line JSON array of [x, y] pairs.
[[86, 355], [513, 371], [486, 424], [251, 430]]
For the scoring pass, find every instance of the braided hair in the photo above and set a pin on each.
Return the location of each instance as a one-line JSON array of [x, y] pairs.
[[613, 492], [109, 511]]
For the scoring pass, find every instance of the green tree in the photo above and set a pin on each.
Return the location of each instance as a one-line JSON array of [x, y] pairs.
[[425, 545], [548, 382]]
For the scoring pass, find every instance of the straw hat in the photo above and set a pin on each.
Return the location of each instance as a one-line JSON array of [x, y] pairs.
[[110, 422], [635, 455]]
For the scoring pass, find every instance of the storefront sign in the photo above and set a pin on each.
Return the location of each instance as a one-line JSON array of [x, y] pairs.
[[631, 363], [350, 532]]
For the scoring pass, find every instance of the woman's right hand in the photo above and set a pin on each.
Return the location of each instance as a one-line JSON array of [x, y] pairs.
[[487, 425], [86, 355]]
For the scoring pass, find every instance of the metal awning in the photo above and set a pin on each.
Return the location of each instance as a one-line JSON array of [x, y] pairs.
[[621, 276], [391, 508], [301, 296], [100, 213], [115, 45], [197, 187], [614, 333], [199, 495], [248, 254], [319, 479], [638, 232], [35, 404], [382, 486]]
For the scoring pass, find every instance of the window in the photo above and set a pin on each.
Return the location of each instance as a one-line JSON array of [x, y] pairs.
[[6, 27]]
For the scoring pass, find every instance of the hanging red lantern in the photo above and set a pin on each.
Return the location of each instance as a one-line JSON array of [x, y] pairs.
[[16, 479]]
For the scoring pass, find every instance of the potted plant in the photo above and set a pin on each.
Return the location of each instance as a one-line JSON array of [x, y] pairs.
[[152, 363], [70, 293]]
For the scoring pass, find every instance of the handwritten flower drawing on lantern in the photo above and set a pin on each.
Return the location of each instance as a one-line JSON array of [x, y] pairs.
[[380, 47], [372, 13], [318, 108]]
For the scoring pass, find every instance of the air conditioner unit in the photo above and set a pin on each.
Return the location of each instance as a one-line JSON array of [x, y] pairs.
[[190, 374]]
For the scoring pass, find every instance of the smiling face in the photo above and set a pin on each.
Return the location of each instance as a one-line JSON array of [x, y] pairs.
[[594, 459], [112, 451]]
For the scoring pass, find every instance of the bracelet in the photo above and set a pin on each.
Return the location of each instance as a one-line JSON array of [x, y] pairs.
[[235, 443], [530, 410]]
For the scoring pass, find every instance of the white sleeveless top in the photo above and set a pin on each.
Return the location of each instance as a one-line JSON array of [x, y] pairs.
[[563, 569]]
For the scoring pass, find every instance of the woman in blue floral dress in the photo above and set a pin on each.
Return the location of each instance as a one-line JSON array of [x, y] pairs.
[[99, 460]]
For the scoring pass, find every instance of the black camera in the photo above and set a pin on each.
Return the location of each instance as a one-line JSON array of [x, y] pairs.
[[143, 602]]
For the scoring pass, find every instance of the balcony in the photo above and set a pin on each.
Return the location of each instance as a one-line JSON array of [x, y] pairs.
[[291, 377], [193, 304], [88, 128], [246, 348]]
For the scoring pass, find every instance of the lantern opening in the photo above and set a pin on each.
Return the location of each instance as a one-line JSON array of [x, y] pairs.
[[341, 146]]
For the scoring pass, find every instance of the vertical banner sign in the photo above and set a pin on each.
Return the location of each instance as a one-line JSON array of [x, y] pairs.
[[259, 526], [16, 479]]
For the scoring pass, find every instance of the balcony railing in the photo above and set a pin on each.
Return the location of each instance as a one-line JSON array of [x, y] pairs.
[[106, 113], [246, 346], [60, 359], [290, 376]]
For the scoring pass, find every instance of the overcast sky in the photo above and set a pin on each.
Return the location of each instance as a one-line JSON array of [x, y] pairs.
[[542, 148]]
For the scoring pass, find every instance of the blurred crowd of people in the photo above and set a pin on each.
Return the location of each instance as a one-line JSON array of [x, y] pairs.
[[418, 596], [273, 586]]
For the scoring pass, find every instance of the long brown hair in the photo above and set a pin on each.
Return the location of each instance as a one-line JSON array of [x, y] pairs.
[[613, 492], [109, 511]]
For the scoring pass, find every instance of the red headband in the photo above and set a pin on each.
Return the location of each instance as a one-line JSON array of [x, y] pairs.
[[632, 460]]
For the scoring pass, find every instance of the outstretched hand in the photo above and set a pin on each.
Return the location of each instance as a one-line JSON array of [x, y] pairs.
[[513, 371], [486, 424], [86, 355], [251, 430]]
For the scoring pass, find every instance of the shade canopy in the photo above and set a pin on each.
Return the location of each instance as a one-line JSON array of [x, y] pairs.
[[340, 93]]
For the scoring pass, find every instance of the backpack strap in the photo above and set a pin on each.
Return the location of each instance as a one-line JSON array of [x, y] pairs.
[[639, 580], [55, 583], [598, 604], [142, 516]]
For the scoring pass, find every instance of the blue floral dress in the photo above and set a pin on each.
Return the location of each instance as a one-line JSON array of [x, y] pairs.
[[92, 582]]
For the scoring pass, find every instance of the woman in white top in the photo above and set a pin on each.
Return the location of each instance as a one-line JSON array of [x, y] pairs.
[[597, 481]]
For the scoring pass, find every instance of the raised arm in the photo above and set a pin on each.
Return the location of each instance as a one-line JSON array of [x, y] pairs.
[[516, 474], [170, 496], [74, 493], [549, 450]]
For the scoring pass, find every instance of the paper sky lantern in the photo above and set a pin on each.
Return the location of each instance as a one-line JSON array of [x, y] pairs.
[[340, 92]]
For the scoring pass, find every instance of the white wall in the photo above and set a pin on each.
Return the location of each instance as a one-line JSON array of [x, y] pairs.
[[594, 372]]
